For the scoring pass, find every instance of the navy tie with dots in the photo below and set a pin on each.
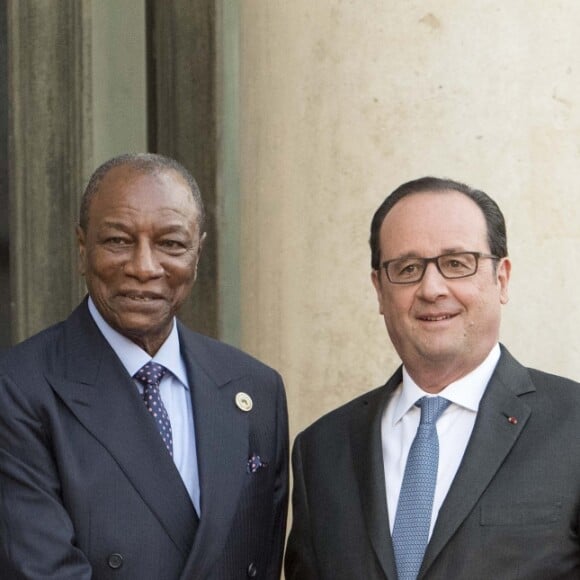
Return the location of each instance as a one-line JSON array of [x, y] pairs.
[[150, 375], [414, 510]]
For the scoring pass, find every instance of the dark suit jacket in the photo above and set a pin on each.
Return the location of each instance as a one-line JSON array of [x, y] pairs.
[[87, 489], [512, 510]]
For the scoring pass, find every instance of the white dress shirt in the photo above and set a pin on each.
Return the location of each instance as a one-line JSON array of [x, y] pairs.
[[175, 394], [401, 419]]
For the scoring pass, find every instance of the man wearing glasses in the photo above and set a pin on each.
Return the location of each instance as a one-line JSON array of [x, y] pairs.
[[465, 464]]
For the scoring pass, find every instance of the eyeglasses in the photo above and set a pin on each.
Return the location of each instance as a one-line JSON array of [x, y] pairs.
[[411, 270]]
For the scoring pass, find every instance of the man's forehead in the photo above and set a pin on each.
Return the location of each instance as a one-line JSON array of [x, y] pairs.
[[125, 180], [446, 218], [128, 195], [436, 205], [127, 173]]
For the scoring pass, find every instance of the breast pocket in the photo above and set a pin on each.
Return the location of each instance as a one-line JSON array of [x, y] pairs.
[[521, 514]]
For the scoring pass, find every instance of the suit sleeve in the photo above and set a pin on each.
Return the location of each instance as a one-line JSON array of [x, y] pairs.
[[300, 563], [281, 485], [37, 538]]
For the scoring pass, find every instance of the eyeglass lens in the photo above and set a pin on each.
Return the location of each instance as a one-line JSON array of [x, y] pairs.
[[412, 269]]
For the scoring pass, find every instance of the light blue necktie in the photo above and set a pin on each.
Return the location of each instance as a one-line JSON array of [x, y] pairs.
[[413, 518], [150, 375]]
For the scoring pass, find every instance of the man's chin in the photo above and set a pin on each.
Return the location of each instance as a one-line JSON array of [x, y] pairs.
[[440, 351], [141, 328]]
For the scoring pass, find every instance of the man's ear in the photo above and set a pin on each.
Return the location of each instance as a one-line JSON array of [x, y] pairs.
[[81, 241], [201, 242], [376, 280], [199, 249], [503, 277]]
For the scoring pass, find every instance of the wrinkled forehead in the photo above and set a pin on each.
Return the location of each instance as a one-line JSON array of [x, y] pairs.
[[140, 199], [122, 177], [123, 183]]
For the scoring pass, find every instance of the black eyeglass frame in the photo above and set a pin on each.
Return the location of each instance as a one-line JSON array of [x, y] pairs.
[[435, 260]]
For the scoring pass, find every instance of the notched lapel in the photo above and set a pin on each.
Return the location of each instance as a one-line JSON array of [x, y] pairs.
[[492, 439], [101, 395], [369, 468], [222, 436]]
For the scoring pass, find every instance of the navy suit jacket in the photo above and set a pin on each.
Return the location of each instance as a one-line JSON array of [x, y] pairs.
[[87, 489], [512, 510]]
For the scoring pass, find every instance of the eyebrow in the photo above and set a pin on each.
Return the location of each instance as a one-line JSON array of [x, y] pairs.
[[413, 254], [164, 228]]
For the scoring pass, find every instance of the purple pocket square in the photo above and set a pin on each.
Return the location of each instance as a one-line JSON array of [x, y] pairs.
[[255, 463]]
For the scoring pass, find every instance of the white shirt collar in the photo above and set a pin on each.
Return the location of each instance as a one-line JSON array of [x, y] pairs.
[[134, 357], [465, 392]]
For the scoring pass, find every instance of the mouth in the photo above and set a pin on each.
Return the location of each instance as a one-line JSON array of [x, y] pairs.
[[140, 297], [436, 317]]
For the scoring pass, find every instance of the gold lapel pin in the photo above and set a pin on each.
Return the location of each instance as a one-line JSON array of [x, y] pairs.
[[244, 402]]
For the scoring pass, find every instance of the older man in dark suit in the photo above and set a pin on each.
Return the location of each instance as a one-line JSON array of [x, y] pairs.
[[465, 465], [130, 446]]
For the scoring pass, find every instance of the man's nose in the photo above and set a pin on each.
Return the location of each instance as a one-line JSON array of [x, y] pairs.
[[143, 263], [433, 284]]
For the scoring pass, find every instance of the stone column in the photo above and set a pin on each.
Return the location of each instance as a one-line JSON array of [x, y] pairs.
[[49, 155], [5, 295]]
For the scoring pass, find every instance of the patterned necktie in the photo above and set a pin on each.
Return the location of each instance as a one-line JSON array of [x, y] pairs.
[[150, 375], [414, 510]]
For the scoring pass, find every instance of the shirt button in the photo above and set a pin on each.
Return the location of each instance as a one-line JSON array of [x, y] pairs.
[[115, 561], [252, 570]]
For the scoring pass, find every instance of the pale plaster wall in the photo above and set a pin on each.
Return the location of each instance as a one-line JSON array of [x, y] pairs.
[[340, 102]]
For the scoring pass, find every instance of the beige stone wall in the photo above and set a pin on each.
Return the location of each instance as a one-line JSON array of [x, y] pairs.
[[340, 102]]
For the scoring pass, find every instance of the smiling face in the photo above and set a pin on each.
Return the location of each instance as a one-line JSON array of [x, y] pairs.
[[442, 329], [140, 250]]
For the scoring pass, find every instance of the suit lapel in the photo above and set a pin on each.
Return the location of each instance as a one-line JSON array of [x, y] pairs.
[[222, 449], [492, 439], [102, 396], [368, 464]]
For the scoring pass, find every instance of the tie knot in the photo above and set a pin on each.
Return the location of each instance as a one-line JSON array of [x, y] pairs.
[[432, 408], [150, 374]]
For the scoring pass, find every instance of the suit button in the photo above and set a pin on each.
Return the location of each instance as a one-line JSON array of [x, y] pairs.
[[252, 570], [115, 561]]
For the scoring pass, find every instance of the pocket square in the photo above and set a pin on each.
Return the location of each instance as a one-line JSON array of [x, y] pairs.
[[255, 463]]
